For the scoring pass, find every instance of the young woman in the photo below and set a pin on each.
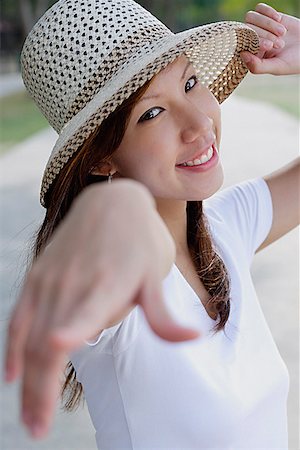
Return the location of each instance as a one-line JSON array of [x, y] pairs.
[[151, 269]]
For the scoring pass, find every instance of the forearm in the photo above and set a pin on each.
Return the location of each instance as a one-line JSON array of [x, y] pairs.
[[284, 185]]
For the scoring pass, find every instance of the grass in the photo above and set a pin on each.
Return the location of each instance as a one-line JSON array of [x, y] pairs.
[[20, 118], [282, 91]]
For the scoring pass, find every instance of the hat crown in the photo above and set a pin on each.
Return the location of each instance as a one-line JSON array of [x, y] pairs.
[[77, 46]]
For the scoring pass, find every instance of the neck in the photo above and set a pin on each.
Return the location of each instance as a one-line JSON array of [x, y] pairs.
[[173, 213]]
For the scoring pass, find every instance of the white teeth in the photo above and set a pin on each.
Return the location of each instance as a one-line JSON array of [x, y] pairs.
[[203, 159], [210, 153]]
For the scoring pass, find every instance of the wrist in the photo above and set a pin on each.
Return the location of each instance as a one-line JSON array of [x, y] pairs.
[[103, 196]]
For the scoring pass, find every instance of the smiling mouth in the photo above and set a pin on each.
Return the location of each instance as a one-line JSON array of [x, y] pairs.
[[200, 160]]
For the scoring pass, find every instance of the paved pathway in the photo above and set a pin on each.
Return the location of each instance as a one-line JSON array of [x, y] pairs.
[[257, 139]]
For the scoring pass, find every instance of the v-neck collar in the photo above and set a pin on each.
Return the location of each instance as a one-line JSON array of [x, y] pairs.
[[211, 321]]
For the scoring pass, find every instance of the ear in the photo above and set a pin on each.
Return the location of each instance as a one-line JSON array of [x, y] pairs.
[[104, 169]]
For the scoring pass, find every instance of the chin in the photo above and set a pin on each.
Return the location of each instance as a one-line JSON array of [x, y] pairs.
[[215, 184]]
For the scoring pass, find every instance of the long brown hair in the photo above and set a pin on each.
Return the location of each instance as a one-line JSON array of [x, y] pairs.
[[76, 175]]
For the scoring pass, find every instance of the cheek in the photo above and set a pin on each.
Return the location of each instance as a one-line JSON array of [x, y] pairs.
[[132, 160], [148, 154]]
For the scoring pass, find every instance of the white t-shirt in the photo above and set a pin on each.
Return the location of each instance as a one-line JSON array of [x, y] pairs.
[[221, 391]]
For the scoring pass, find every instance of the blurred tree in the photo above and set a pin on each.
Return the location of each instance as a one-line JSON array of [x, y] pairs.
[[24, 13], [167, 10], [199, 12], [30, 12]]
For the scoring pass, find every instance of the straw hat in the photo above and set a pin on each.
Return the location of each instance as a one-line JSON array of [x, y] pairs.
[[85, 57]]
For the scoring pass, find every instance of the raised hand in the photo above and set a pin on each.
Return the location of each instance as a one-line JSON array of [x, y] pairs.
[[279, 34], [109, 254]]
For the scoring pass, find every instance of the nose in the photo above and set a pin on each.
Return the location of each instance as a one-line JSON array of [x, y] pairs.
[[196, 125]]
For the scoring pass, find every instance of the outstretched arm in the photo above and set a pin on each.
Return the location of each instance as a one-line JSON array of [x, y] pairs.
[[284, 185], [110, 253], [279, 54]]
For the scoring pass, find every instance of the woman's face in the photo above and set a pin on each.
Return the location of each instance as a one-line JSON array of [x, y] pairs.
[[175, 126]]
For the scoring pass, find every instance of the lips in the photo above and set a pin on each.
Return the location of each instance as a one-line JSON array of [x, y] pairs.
[[198, 156]]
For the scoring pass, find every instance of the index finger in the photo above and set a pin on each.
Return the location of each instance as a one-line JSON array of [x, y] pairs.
[[268, 11], [160, 319]]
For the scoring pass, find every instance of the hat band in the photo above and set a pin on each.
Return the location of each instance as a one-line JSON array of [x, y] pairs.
[[114, 62]]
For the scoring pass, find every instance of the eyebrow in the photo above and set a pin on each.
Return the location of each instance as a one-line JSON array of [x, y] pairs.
[[148, 97]]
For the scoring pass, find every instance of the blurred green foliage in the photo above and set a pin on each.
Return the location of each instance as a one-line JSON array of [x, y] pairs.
[[181, 14], [177, 14], [19, 119], [235, 9]]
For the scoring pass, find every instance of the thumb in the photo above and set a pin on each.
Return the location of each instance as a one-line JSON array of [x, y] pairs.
[[159, 318], [258, 65]]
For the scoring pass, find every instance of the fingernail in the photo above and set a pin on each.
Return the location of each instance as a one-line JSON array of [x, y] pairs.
[[279, 43], [278, 17], [37, 430], [280, 29]]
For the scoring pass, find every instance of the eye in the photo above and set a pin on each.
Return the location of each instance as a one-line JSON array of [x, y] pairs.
[[151, 114], [191, 83]]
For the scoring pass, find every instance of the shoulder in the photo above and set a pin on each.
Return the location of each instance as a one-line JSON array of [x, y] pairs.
[[238, 197], [242, 214]]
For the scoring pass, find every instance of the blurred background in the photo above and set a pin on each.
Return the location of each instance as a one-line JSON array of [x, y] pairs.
[[260, 120]]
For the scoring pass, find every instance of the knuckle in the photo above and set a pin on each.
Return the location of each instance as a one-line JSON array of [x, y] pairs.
[[271, 37], [269, 23]]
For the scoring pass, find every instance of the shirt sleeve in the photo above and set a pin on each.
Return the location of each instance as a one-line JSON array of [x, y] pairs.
[[244, 212]]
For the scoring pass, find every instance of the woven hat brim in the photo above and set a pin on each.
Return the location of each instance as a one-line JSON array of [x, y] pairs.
[[214, 51]]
